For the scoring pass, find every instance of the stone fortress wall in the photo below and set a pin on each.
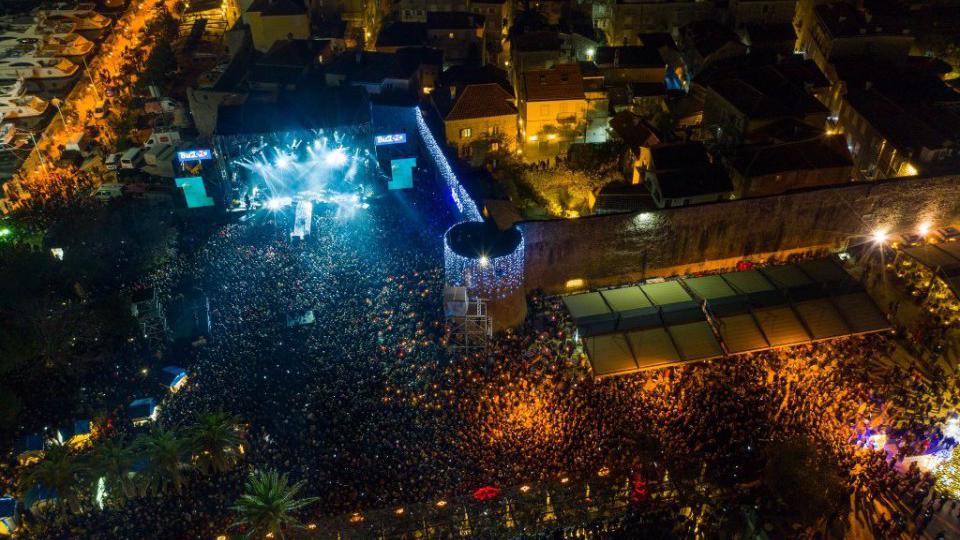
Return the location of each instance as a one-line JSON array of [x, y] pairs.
[[612, 249]]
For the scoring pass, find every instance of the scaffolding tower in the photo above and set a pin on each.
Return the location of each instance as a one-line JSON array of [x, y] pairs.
[[470, 327], [148, 310]]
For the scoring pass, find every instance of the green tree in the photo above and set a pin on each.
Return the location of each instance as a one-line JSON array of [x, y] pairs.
[[214, 439], [160, 66], [61, 472], [113, 460], [267, 504], [805, 479], [163, 451]]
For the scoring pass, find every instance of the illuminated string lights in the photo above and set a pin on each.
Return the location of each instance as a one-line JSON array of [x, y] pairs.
[[487, 277], [461, 198]]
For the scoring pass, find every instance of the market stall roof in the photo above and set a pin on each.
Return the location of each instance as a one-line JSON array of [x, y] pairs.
[[741, 334], [825, 270], [667, 293], [786, 277], [653, 348], [710, 287], [861, 314], [695, 341], [781, 326], [626, 299], [823, 320], [634, 309], [933, 256], [719, 296], [755, 287], [610, 355], [953, 248], [586, 305], [662, 324], [591, 313], [172, 375]]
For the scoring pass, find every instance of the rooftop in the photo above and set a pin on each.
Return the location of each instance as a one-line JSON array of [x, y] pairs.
[[694, 182], [901, 127], [287, 60], [629, 57], [544, 40], [373, 67], [561, 82], [634, 130], [318, 108], [479, 101], [767, 92], [681, 155], [844, 20], [825, 152], [776, 36], [277, 7], [657, 40], [402, 34], [707, 37], [463, 75], [454, 20]]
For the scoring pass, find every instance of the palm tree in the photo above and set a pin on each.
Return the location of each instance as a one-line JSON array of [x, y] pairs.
[[214, 440], [113, 461], [60, 472], [266, 505], [163, 451]]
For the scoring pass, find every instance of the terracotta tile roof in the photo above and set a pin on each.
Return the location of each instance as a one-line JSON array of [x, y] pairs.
[[561, 82], [481, 101]]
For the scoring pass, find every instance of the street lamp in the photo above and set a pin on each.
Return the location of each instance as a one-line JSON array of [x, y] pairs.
[[56, 103], [43, 163], [92, 83]]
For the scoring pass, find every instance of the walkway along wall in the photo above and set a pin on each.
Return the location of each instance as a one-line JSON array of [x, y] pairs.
[[611, 249]]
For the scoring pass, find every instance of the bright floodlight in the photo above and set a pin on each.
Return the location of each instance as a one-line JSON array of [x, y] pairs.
[[484, 260], [336, 158], [879, 236], [283, 161], [924, 228], [277, 203]]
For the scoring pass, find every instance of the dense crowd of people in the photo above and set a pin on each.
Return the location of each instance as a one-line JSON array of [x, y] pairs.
[[366, 405]]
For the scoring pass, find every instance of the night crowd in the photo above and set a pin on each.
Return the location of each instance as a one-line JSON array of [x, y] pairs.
[[365, 404]]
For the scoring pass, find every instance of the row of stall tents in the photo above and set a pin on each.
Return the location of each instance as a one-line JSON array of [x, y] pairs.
[[77, 434]]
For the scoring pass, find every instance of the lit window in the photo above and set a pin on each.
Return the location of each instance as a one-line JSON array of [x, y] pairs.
[[494, 146], [450, 35], [465, 133]]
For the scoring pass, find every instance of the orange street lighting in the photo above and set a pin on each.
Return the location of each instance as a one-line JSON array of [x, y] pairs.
[[879, 236]]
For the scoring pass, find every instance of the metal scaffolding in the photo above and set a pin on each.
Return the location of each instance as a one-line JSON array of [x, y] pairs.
[[470, 327]]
